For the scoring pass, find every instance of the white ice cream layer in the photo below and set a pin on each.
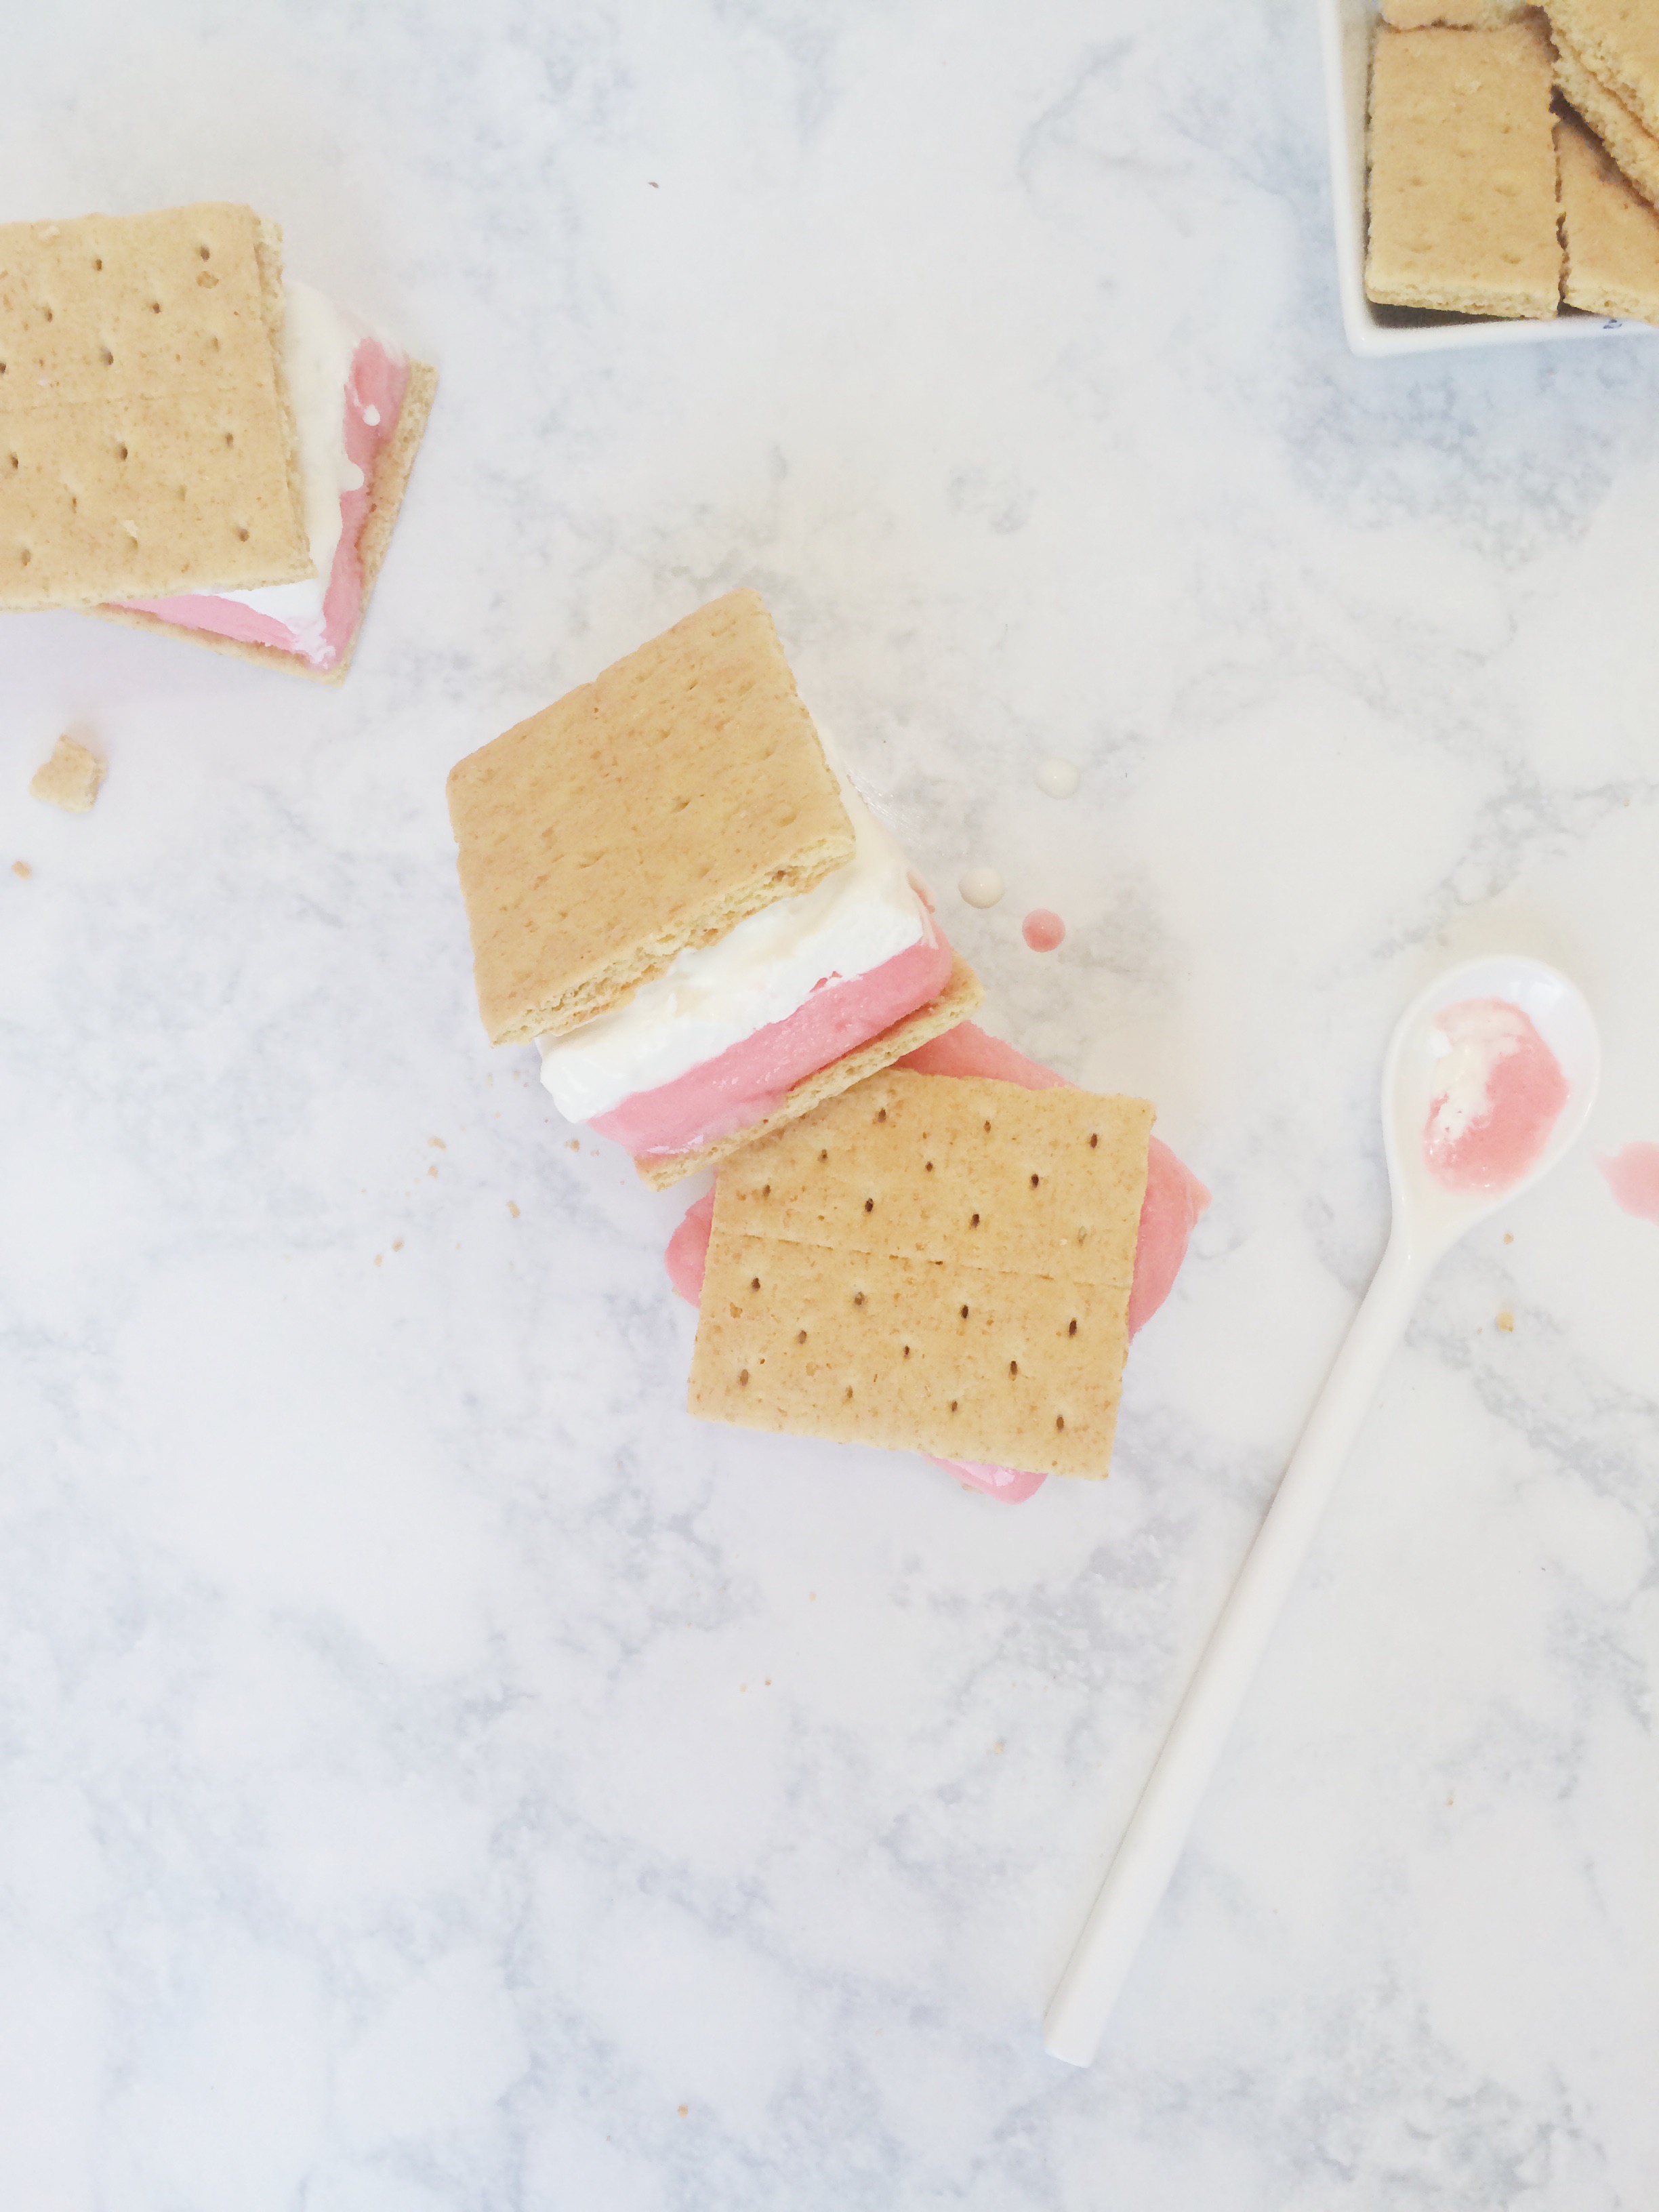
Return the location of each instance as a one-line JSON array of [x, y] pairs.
[[1466, 1050], [318, 342], [714, 996]]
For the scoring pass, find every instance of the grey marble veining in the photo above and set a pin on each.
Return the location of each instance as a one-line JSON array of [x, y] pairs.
[[434, 1774]]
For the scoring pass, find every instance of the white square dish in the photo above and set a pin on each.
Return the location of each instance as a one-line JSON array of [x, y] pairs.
[[1347, 28]]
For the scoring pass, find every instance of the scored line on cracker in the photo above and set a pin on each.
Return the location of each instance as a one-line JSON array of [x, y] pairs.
[[930, 1262]]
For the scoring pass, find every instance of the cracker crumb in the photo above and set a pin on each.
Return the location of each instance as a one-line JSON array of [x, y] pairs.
[[512, 1207], [684, 2109], [1509, 1237], [439, 1142], [69, 779], [21, 869], [397, 1244], [378, 1256], [573, 1144], [1506, 1322], [433, 1170]]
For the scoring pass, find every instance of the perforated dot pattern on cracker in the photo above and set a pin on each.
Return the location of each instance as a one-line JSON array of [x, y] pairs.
[[930, 1262], [650, 810], [147, 445], [1461, 186]]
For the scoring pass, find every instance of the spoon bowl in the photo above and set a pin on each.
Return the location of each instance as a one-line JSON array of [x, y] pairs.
[[1429, 1216]]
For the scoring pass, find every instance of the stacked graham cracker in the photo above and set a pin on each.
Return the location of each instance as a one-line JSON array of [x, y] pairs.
[[1484, 200], [920, 1260]]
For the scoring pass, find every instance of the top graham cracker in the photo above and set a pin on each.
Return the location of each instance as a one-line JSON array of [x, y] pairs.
[[651, 810], [147, 443], [1618, 41], [930, 1262], [1461, 185]]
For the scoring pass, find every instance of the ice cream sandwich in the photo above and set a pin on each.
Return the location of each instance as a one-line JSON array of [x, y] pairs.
[[949, 1258], [189, 444], [674, 890]]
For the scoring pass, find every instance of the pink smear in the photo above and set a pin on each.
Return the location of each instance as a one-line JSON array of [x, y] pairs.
[[749, 1081], [1175, 1198], [1500, 1068], [1041, 930], [376, 382], [1633, 1178]]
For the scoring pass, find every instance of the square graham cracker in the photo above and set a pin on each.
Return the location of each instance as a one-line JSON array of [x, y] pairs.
[[147, 443], [649, 810], [930, 1263], [1611, 232], [1627, 140], [393, 465], [1616, 41], [963, 993], [1461, 188]]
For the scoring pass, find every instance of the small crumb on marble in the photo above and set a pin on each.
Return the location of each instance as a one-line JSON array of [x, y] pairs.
[[1506, 1322], [1058, 778], [1041, 930], [979, 886], [439, 1142], [433, 1170], [573, 1144], [378, 1258], [512, 1208], [70, 780], [21, 870], [684, 2109], [1509, 1237], [397, 1244]]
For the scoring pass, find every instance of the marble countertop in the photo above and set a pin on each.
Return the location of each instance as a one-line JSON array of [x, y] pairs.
[[436, 1773]]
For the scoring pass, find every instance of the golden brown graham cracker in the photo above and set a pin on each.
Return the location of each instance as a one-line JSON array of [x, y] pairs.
[[1461, 188], [1630, 144], [647, 811], [1618, 42], [147, 443], [962, 992], [393, 465], [933, 1263], [1611, 232]]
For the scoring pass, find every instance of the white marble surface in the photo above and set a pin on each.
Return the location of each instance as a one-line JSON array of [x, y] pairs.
[[435, 1774]]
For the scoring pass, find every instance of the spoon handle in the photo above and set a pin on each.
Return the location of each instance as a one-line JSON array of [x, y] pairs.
[[1154, 1838]]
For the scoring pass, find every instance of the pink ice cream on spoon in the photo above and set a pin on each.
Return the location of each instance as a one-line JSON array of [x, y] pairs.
[[1498, 1092]]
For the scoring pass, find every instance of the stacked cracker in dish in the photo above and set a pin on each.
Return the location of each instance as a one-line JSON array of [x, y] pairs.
[[152, 467], [1482, 199], [665, 878]]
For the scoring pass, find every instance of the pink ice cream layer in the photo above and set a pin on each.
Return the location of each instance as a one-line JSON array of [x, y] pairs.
[[1526, 1090], [750, 1079], [1175, 1198], [376, 384], [1632, 1175]]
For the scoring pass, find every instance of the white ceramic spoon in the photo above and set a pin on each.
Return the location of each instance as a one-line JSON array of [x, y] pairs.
[[1428, 1219]]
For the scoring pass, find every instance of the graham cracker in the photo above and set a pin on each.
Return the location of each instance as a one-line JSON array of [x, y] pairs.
[[1461, 183], [962, 992], [71, 779], [1612, 233], [1457, 14], [928, 1262], [147, 443], [1618, 42], [1631, 146], [393, 465], [648, 811]]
